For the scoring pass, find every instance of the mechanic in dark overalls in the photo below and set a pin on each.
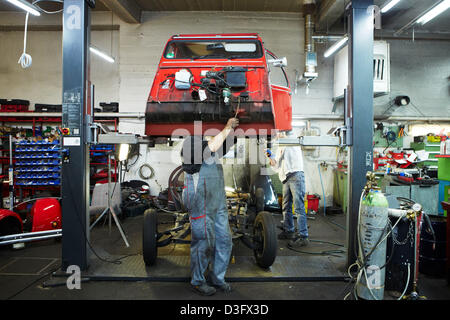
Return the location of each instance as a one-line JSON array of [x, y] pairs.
[[205, 199]]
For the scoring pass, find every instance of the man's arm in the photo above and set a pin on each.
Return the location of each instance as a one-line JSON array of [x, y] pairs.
[[216, 143], [269, 155], [272, 158]]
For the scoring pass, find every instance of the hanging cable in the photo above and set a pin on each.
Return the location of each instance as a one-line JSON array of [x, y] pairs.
[[407, 283], [25, 59]]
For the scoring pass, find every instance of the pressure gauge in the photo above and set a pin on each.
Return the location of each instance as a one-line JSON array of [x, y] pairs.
[[417, 207]]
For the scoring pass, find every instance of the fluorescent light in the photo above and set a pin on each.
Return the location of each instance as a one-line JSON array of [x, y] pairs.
[[389, 6], [25, 6], [437, 10], [123, 151], [335, 47], [101, 54]]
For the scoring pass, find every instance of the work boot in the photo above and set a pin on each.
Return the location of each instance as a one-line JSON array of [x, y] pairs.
[[225, 287], [298, 242], [286, 235], [203, 289]]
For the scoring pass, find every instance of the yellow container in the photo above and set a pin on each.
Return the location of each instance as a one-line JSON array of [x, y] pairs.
[[434, 139]]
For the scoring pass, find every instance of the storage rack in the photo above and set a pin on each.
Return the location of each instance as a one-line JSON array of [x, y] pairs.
[[99, 159], [38, 163], [39, 119]]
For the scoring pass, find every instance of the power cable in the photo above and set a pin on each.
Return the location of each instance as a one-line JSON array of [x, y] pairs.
[[324, 252], [32, 283], [25, 59], [116, 261]]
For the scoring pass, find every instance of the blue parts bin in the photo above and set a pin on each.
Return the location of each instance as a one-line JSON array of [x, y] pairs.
[[38, 163]]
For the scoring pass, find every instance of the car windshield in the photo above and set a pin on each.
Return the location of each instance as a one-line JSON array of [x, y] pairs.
[[181, 49]]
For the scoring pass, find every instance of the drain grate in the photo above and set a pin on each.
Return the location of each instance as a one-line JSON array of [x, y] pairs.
[[33, 266]]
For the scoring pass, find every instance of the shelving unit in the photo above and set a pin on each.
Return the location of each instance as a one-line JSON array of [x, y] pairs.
[[38, 163], [29, 177]]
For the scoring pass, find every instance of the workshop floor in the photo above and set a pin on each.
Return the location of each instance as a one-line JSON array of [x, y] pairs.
[[23, 272]]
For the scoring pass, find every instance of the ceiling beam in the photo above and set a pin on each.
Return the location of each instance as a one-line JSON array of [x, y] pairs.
[[127, 10], [329, 12], [7, 28]]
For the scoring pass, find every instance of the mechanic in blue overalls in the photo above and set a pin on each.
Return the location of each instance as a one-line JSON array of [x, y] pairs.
[[205, 199]]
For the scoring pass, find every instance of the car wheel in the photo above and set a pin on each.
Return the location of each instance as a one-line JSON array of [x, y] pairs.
[[264, 239], [150, 237]]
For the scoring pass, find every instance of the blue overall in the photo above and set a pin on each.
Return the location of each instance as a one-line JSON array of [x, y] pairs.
[[210, 232]]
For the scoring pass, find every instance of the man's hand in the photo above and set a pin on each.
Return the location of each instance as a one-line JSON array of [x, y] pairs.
[[232, 123], [217, 142]]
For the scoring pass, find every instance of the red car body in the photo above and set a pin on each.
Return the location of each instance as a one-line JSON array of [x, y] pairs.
[[44, 215], [259, 104]]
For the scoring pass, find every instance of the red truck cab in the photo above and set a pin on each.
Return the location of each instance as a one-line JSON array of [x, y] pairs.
[[213, 77]]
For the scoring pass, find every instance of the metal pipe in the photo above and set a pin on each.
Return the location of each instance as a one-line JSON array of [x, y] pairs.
[[396, 213], [30, 239], [139, 115], [187, 279], [393, 118], [14, 236], [425, 36], [327, 38], [11, 175], [59, 114], [309, 7]]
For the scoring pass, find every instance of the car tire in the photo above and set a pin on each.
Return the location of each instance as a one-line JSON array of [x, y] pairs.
[[150, 237], [264, 239]]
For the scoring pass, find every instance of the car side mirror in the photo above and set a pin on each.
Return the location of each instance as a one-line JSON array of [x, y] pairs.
[[278, 62]]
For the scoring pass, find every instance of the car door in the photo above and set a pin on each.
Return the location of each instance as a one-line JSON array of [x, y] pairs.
[[281, 95]]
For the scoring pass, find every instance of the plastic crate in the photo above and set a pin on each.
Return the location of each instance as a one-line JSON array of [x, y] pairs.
[[14, 105], [110, 107], [444, 168], [39, 107]]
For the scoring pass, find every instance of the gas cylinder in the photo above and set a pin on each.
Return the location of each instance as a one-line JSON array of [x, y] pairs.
[[372, 228]]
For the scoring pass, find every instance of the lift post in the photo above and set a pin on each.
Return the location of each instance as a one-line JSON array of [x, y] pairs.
[[359, 108], [76, 106]]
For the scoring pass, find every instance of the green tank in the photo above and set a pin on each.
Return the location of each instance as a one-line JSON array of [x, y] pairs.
[[372, 228]]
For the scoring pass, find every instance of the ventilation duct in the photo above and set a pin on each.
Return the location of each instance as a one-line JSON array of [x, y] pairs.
[[309, 8]]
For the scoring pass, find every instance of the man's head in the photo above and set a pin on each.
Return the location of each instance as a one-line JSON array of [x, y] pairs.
[[192, 149]]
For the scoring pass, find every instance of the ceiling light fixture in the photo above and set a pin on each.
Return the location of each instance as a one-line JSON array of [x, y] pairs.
[[389, 6], [434, 12], [28, 7], [335, 47], [101, 54]]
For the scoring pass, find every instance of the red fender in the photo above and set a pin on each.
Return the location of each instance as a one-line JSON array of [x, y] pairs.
[[46, 215], [8, 215]]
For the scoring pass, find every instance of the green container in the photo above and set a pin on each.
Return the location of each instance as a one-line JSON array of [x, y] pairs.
[[432, 147], [444, 169], [375, 199], [417, 146], [340, 189]]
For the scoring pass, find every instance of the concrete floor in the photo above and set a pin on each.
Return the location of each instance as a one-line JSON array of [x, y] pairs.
[[22, 275]]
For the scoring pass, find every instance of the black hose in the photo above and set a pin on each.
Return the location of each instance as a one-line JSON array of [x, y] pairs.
[[427, 218], [172, 180]]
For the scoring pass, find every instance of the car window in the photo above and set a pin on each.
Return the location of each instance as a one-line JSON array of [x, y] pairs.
[[220, 49]]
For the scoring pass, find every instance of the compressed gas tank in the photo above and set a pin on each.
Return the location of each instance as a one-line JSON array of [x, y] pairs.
[[372, 228]]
